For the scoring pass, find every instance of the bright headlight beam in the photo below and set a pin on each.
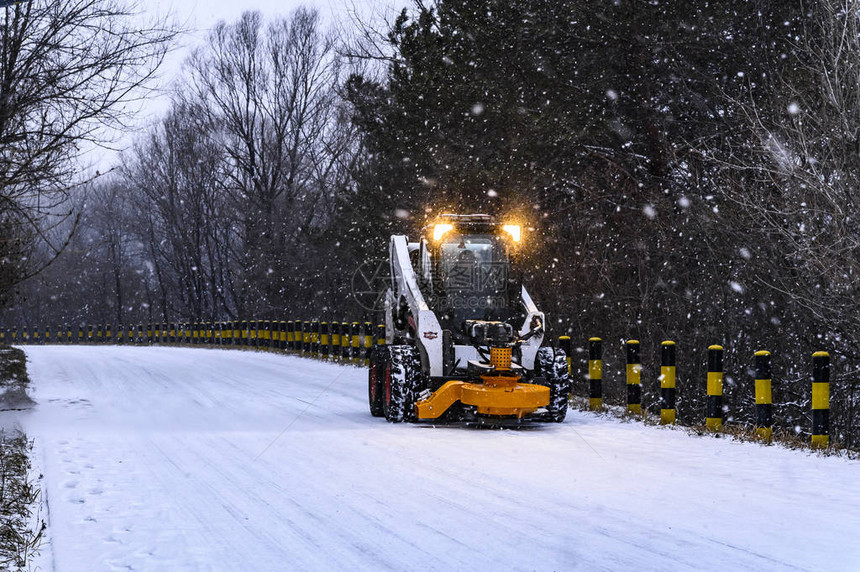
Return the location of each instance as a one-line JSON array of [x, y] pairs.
[[441, 230], [514, 230]]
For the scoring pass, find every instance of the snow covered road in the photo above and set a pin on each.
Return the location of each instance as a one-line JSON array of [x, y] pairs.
[[193, 459]]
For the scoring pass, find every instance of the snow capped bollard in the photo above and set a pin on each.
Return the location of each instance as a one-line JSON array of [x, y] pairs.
[[368, 341], [820, 400], [325, 338], [565, 344], [634, 378], [595, 373], [714, 415], [667, 382], [763, 398]]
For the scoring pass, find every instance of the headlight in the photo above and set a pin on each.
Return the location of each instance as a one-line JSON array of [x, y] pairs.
[[441, 230], [514, 230]]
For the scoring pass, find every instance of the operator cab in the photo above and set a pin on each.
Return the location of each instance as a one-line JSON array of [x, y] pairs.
[[466, 269]]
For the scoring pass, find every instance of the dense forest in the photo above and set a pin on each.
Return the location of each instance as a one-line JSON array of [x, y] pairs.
[[685, 171]]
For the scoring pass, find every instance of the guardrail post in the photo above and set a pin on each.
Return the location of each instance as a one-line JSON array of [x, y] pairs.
[[667, 382], [820, 400], [634, 377], [763, 398], [714, 415], [595, 374]]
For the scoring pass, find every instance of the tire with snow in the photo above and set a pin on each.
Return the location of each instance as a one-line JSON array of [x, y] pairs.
[[551, 371], [378, 356], [400, 375]]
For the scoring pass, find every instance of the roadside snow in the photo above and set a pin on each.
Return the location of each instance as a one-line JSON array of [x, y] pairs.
[[191, 459]]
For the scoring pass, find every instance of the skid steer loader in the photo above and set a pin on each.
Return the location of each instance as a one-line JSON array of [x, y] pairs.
[[463, 336]]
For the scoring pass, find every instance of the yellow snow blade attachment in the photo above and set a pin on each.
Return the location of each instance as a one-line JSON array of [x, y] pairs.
[[499, 395]]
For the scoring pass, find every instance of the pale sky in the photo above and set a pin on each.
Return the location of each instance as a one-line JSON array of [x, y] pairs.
[[200, 16]]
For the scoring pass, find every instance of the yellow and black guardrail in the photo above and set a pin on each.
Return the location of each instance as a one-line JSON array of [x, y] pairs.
[[715, 411], [342, 340]]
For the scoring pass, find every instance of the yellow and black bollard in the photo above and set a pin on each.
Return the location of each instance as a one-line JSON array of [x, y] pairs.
[[634, 377], [368, 341], [282, 336], [714, 416], [763, 398], [667, 382], [335, 339], [820, 400], [565, 344], [315, 337], [297, 335], [306, 336], [108, 334], [90, 334], [355, 339], [344, 340], [325, 339], [290, 333], [380, 334], [595, 373]]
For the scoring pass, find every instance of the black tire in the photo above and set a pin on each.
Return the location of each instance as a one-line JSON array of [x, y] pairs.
[[374, 381], [551, 371], [400, 376]]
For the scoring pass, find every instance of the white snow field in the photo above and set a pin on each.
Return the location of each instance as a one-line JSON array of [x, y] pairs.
[[176, 459]]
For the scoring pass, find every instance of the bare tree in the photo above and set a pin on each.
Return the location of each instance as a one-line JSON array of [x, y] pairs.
[[68, 69], [272, 92]]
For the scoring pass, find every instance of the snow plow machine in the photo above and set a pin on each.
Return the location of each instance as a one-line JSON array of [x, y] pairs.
[[463, 336]]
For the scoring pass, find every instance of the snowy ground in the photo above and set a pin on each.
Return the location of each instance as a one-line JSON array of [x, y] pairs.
[[192, 459]]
